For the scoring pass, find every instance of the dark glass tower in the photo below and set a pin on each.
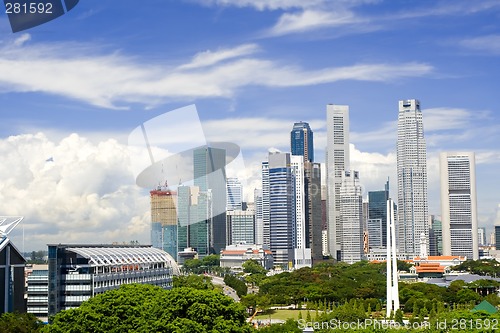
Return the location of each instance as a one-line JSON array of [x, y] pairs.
[[281, 207], [377, 209], [301, 141], [210, 177]]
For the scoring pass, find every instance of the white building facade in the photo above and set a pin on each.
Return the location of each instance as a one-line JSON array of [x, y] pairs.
[[351, 217], [459, 204], [297, 164], [412, 178], [337, 161]]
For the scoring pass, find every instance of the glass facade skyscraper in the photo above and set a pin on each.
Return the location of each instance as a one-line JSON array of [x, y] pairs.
[[281, 204], [234, 194], [210, 177], [193, 220], [413, 219], [301, 141], [377, 209]]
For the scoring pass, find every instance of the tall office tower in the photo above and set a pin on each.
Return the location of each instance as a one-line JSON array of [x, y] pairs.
[[193, 214], [435, 237], [301, 141], [459, 204], [351, 216], [234, 193], [313, 210], [308, 203], [374, 230], [240, 227], [282, 205], [164, 220], [299, 228], [377, 209], [210, 176], [495, 237], [259, 221], [266, 217], [481, 236], [412, 179], [337, 161]]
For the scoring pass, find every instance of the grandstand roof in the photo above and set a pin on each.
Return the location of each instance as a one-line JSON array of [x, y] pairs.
[[109, 255]]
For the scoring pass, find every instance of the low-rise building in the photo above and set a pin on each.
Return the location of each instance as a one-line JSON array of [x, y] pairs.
[[235, 255], [37, 291], [78, 272]]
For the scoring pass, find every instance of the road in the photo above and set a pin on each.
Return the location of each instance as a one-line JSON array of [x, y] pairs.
[[227, 290]]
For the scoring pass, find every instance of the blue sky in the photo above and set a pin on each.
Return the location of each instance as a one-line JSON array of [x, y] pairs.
[[74, 88]]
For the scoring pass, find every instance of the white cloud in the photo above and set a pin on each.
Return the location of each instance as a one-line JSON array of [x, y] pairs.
[[265, 4], [22, 39], [489, 44], [209, 58], [308, 20], [446, 118], [71, 191], [113, 80]]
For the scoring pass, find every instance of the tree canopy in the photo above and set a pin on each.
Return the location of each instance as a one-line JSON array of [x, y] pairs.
[[146, 308]]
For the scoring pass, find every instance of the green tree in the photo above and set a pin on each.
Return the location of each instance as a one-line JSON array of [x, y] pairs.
[[19, 323], [146, 308], [253, 267], [193, 281], [398, 317], [235, 283]]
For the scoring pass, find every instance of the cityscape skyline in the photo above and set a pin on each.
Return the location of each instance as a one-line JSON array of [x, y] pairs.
[[253, 70]]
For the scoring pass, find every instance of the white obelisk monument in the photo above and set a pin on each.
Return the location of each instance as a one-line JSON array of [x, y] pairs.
[[392, 266]]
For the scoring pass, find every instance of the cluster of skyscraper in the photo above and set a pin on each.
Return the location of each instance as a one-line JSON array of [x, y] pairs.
[[300, 219]]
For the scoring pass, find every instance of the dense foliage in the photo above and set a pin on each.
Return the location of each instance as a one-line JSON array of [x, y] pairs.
[[489, 267], [19, 323], [237, 284], [193, 281], [333, 283], [145, 308], [208, 264]]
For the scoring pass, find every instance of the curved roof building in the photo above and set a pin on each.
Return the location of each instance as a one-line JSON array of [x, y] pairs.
[[80, 271]]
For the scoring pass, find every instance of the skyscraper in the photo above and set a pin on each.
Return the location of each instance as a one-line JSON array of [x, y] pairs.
[[259, 220], [377, 209], [193, 220], [435, 237], [351, 216], [481, 236], [337, 161], [299, 227], [234, 194], [164, 220], [240, 227], [266, 217], [301, 141], [308, 190], [281, 203], [459, 204], [210, 177], [412, 179], [313, 210]]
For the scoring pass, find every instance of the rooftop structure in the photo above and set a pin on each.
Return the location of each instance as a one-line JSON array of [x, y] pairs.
[[80, 271]]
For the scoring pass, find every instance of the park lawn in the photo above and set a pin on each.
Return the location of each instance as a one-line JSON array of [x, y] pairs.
[[285, 314]]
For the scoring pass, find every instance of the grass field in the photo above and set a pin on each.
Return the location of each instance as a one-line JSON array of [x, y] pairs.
[[285, 314]]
